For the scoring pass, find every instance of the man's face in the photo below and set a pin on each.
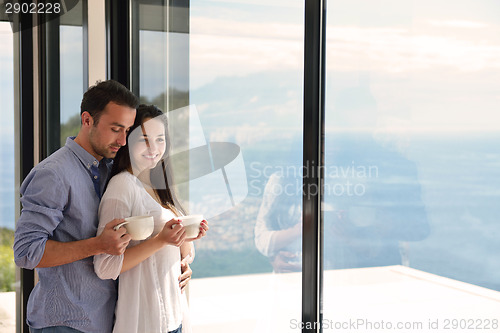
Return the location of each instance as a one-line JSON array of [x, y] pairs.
[[110, 133]]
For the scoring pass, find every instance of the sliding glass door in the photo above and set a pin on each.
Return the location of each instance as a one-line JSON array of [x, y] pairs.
[[411, 173], [229, 74]]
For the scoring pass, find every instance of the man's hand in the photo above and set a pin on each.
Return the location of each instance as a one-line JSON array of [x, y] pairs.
[[113, 241], [186, 273]]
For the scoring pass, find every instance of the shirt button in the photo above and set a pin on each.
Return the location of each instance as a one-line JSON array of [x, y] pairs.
[[95, 177], [88, 165], [95, 162]]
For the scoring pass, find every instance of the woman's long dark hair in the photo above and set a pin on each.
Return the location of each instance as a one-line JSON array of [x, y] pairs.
[[160, 173]]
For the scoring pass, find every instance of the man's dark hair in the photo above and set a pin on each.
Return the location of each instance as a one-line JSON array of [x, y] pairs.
[[98, 96]]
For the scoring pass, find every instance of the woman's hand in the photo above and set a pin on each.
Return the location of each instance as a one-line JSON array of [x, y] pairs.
[[203, 231], [173, 233]]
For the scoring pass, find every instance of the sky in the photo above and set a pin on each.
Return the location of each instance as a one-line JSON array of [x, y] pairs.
[[71, 70], [6, 80], [419, 41], [418, 65], [431, 65], [6, 126], [431, 52]]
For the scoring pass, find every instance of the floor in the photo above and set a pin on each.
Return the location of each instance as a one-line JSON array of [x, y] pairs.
[[8, 312], [379, 299]]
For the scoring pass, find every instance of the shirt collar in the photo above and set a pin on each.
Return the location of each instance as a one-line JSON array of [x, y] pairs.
[[84, 156]]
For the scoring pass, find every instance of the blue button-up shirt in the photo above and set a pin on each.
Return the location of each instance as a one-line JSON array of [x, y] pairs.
[[60, 199]]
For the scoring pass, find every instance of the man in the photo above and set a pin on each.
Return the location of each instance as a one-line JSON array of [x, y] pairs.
[[56, 230]]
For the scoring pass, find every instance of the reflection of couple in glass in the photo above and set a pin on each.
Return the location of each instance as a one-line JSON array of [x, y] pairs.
[[371, 208], [372, 204]]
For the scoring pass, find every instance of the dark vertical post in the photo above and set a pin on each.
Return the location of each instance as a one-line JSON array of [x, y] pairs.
[[27, 161], [135, 49], [50, 84], [85, 48], [178, 85], [118, 50], [314, 114]]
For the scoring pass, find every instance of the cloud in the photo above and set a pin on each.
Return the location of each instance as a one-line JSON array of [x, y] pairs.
[[249, 47], [244, 48], [250, 134], [403, 50], [437, 59], [6, 46]]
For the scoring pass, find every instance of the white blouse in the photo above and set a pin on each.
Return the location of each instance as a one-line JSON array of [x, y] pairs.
[[149, 297]]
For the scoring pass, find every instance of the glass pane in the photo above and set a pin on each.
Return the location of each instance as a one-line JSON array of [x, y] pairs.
[[7, 178], [163, 46], [71, 71], [234, 70], [412, 177], [246, 74]]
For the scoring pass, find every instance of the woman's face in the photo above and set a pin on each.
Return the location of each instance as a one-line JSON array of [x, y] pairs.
[[147, 144]]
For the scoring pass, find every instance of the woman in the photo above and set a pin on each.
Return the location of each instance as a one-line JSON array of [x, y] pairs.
[[149, 296]]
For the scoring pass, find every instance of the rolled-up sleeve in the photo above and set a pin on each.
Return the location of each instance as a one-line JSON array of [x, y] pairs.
[[43, 203], [108, 266]]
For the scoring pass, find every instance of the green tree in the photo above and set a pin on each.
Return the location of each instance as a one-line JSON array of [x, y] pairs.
[[70, 128], [7, 266]]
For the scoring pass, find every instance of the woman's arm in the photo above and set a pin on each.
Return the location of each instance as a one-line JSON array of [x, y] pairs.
[[108, 242]]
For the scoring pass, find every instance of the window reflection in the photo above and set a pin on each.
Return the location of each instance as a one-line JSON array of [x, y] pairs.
[[373, 203]]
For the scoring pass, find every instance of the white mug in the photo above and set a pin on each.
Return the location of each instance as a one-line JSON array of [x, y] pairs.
[[138, 227], [192, 224]]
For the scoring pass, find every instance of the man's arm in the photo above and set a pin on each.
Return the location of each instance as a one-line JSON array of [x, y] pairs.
[[44, 198], [110, 241]]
